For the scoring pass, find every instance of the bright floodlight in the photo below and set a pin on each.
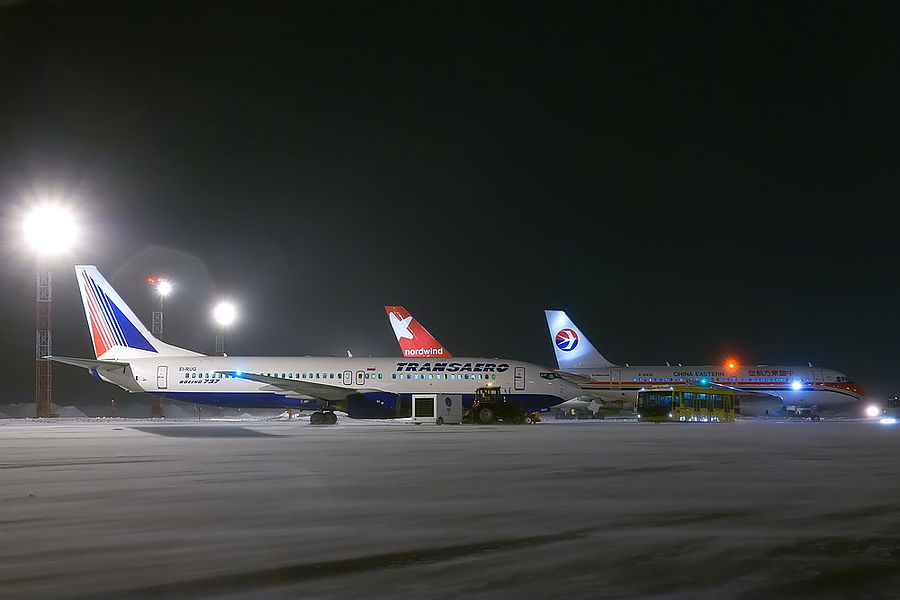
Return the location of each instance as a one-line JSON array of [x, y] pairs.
[[224, 313], [872, 411], [796, 385], [163, 288], [50, 229]]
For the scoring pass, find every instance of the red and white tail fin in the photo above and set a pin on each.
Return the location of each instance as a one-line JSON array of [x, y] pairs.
[[414, 339]]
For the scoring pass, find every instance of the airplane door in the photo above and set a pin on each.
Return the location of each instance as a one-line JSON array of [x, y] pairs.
[[360, 378], [615, 376], [348, 377], [817, 376], [520, 378], [162, 377]]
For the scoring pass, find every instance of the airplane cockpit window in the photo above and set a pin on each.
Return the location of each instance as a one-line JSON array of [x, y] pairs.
[[550, 375]]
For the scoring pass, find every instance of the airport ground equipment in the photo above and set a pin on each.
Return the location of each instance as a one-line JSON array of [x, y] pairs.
[[441, 409], [491, 405], [702, 402], [802, 412], [578, 413]]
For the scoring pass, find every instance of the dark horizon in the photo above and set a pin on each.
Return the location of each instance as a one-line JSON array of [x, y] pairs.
[[690, 181]]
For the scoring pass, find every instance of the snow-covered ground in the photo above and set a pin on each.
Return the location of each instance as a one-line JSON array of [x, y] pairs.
[[273, 508]]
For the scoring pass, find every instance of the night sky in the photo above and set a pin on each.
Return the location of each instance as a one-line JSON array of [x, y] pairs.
[[688, 180]]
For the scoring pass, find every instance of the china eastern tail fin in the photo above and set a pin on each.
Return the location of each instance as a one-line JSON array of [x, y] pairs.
[[414, 339], [573, 349], [116, 332]]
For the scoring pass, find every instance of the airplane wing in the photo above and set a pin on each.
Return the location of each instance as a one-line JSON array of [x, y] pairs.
[[117, 372], [297, 388], [575, 378], [90, 363]]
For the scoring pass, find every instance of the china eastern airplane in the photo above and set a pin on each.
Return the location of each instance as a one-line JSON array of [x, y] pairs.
[[766, 387], [127, 355]]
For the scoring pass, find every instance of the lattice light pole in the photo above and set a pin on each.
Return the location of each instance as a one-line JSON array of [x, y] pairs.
[[162, 287], [43, 382], [49, 230], [224, 314]]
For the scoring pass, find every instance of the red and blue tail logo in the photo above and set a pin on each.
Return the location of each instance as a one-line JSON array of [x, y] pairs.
[[566, 340], [110, 325]]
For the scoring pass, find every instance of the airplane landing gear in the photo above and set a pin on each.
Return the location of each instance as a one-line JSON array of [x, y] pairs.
[[323, 418]]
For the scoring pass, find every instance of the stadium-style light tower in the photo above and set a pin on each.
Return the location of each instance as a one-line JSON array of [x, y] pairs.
[[49, 229], [224, 313], [162, 287]]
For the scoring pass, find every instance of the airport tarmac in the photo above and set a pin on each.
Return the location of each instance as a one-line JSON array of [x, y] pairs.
[[267, 509]]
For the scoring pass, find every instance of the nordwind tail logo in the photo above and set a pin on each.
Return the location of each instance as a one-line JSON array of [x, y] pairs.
[[566, 340]]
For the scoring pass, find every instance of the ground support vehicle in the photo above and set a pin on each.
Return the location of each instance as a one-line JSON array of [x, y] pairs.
[[701, 402], [802, 412], [490, 405]]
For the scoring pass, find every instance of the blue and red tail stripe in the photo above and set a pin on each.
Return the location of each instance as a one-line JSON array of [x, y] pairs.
[[109, 326]]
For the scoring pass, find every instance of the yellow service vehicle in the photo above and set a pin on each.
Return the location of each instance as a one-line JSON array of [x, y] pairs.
[[700, 402]]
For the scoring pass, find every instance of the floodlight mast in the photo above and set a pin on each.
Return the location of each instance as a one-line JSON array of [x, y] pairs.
[[224, 314], [162, 288], [49, 229]]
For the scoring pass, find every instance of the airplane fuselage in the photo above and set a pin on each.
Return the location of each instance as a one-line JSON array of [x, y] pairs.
[[383, 385], [801, 386]]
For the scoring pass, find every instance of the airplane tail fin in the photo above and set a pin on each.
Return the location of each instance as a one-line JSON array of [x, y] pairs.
[[573, 349], [116, 332], [414, 339]]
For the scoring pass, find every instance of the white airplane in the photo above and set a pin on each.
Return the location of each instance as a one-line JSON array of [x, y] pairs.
[[768, 388], [127, 355]]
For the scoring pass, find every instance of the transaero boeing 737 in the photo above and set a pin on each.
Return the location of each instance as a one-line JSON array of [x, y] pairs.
[[767, 387], [127, 355]]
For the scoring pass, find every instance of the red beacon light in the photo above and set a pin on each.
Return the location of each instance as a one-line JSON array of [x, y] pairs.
[[731, 364]]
